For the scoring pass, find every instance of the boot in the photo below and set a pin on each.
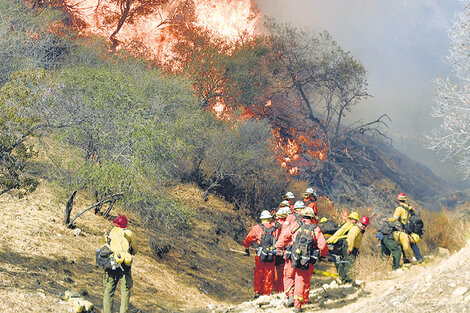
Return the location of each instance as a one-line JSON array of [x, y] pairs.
[[290, 302]]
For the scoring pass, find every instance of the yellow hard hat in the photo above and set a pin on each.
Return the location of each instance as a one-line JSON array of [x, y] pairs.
[[323, 220], [354, 215], [415, 237], [307, 211]]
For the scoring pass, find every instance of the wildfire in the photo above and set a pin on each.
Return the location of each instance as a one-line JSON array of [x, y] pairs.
[[148, 27]]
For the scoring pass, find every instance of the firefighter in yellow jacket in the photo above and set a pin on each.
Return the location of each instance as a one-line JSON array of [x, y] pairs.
[[350, 248], [402, 213], [121, 242]]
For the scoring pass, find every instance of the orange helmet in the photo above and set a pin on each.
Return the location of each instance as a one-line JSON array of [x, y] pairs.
[[401, 197]]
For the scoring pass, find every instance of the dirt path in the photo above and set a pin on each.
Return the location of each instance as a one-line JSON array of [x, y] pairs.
[[442, 285]]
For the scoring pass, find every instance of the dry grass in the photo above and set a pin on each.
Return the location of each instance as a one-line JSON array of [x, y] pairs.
[[40, 258]]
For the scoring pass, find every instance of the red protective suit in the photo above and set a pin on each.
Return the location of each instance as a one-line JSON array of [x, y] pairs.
[[310, 202], [264, 272], [297, 281], [279, 269]]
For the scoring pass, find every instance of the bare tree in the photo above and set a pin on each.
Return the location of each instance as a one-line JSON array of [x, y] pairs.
[[452, 100]]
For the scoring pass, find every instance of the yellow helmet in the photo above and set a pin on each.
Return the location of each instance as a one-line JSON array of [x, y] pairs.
[[354, 216], [307, 211], [323, 220], [415, 237]]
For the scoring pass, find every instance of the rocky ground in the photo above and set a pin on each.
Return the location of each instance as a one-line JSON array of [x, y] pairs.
[[440, 285]]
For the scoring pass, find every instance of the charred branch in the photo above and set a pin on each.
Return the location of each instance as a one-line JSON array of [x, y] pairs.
[[108, 200]]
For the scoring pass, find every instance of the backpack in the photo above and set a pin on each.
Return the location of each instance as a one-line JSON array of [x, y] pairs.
[[115, 251], [415, 225], [304, 250], [329, 227], [267, 241]]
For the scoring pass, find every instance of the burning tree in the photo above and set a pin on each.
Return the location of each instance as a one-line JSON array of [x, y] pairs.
[[452, 98]]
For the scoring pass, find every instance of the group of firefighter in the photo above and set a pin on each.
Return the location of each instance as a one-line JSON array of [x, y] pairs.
[[292, 238]]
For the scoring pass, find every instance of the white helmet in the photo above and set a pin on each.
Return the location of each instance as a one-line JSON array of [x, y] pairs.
[[282, 212], [265, 215], [310, 192], [284, 203], [289, 195], [299, 205]]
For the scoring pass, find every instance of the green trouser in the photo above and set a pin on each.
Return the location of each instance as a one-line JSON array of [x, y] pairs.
[[110, 281], [346, 262], [391, 247]]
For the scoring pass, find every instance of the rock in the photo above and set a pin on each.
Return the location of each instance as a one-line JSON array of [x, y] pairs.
[[334, 284], [211, 306], [325, 286], [42, 295], [77, 231], [443, 252], [460, 291], [452, 285]]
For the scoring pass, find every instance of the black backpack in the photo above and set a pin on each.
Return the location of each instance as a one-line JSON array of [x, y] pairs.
[[267, 241], [104, 257], [304, 250], [329, 227], [415, 225]]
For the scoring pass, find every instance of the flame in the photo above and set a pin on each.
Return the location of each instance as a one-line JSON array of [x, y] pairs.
[[152, 33]]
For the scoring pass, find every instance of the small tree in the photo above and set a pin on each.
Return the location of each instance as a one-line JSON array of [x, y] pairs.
[[452, 101]]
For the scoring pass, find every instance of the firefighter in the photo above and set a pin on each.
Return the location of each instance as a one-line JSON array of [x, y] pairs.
[[341, 232], [350, 249], [281, 216], [310, 200], [120, 237], [297, 286], [295, 215], [387, 242], [402, 213], [289, 197], [260, 235]]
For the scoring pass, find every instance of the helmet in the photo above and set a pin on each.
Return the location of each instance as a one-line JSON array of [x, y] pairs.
[[120, 221], [299, 205], [364, 220], [307, 211], [282, 212], [323, 220], [354, 216], [401, 197], [415, 237], [265, 215], [289, 195], [310, 192], [284, 203]]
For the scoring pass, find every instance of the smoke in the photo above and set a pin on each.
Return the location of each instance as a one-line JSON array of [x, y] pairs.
[[402, 44]]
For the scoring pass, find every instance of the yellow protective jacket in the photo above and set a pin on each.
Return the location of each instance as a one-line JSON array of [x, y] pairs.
[[354, 238], [403, 239], [401, 214], [339, 234]]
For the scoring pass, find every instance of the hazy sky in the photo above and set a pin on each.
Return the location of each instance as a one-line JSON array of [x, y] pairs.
[[403, 45]]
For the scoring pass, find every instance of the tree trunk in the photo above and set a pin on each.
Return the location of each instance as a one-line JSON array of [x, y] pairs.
[[68, 207]]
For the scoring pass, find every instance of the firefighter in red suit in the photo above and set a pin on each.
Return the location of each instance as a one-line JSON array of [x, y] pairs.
[[300, 293], [310, 200], [281, 216], [264, 272], [289, 197]]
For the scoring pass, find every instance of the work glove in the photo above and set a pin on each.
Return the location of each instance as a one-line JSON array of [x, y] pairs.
[[247, 252]]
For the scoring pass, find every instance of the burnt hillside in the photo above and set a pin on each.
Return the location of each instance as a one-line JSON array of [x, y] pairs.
[[370, 172]]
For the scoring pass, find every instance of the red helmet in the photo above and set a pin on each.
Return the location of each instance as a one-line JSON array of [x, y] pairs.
[[401, 197], [364, 220], [120, 221]]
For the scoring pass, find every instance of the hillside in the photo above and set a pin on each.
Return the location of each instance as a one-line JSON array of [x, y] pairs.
[[41, 259]]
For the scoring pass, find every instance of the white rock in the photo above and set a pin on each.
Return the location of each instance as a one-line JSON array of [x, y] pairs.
[[211, 306], [395, 303], [452, 285], [42, 295], [326, 286], [460, 291], [334, 284], [59, 235], [77, 232], [440, 290]]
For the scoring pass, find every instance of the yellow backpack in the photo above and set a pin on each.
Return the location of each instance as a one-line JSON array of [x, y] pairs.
[[118, 241]]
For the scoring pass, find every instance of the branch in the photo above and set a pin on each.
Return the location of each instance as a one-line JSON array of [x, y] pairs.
[[109, 199]]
